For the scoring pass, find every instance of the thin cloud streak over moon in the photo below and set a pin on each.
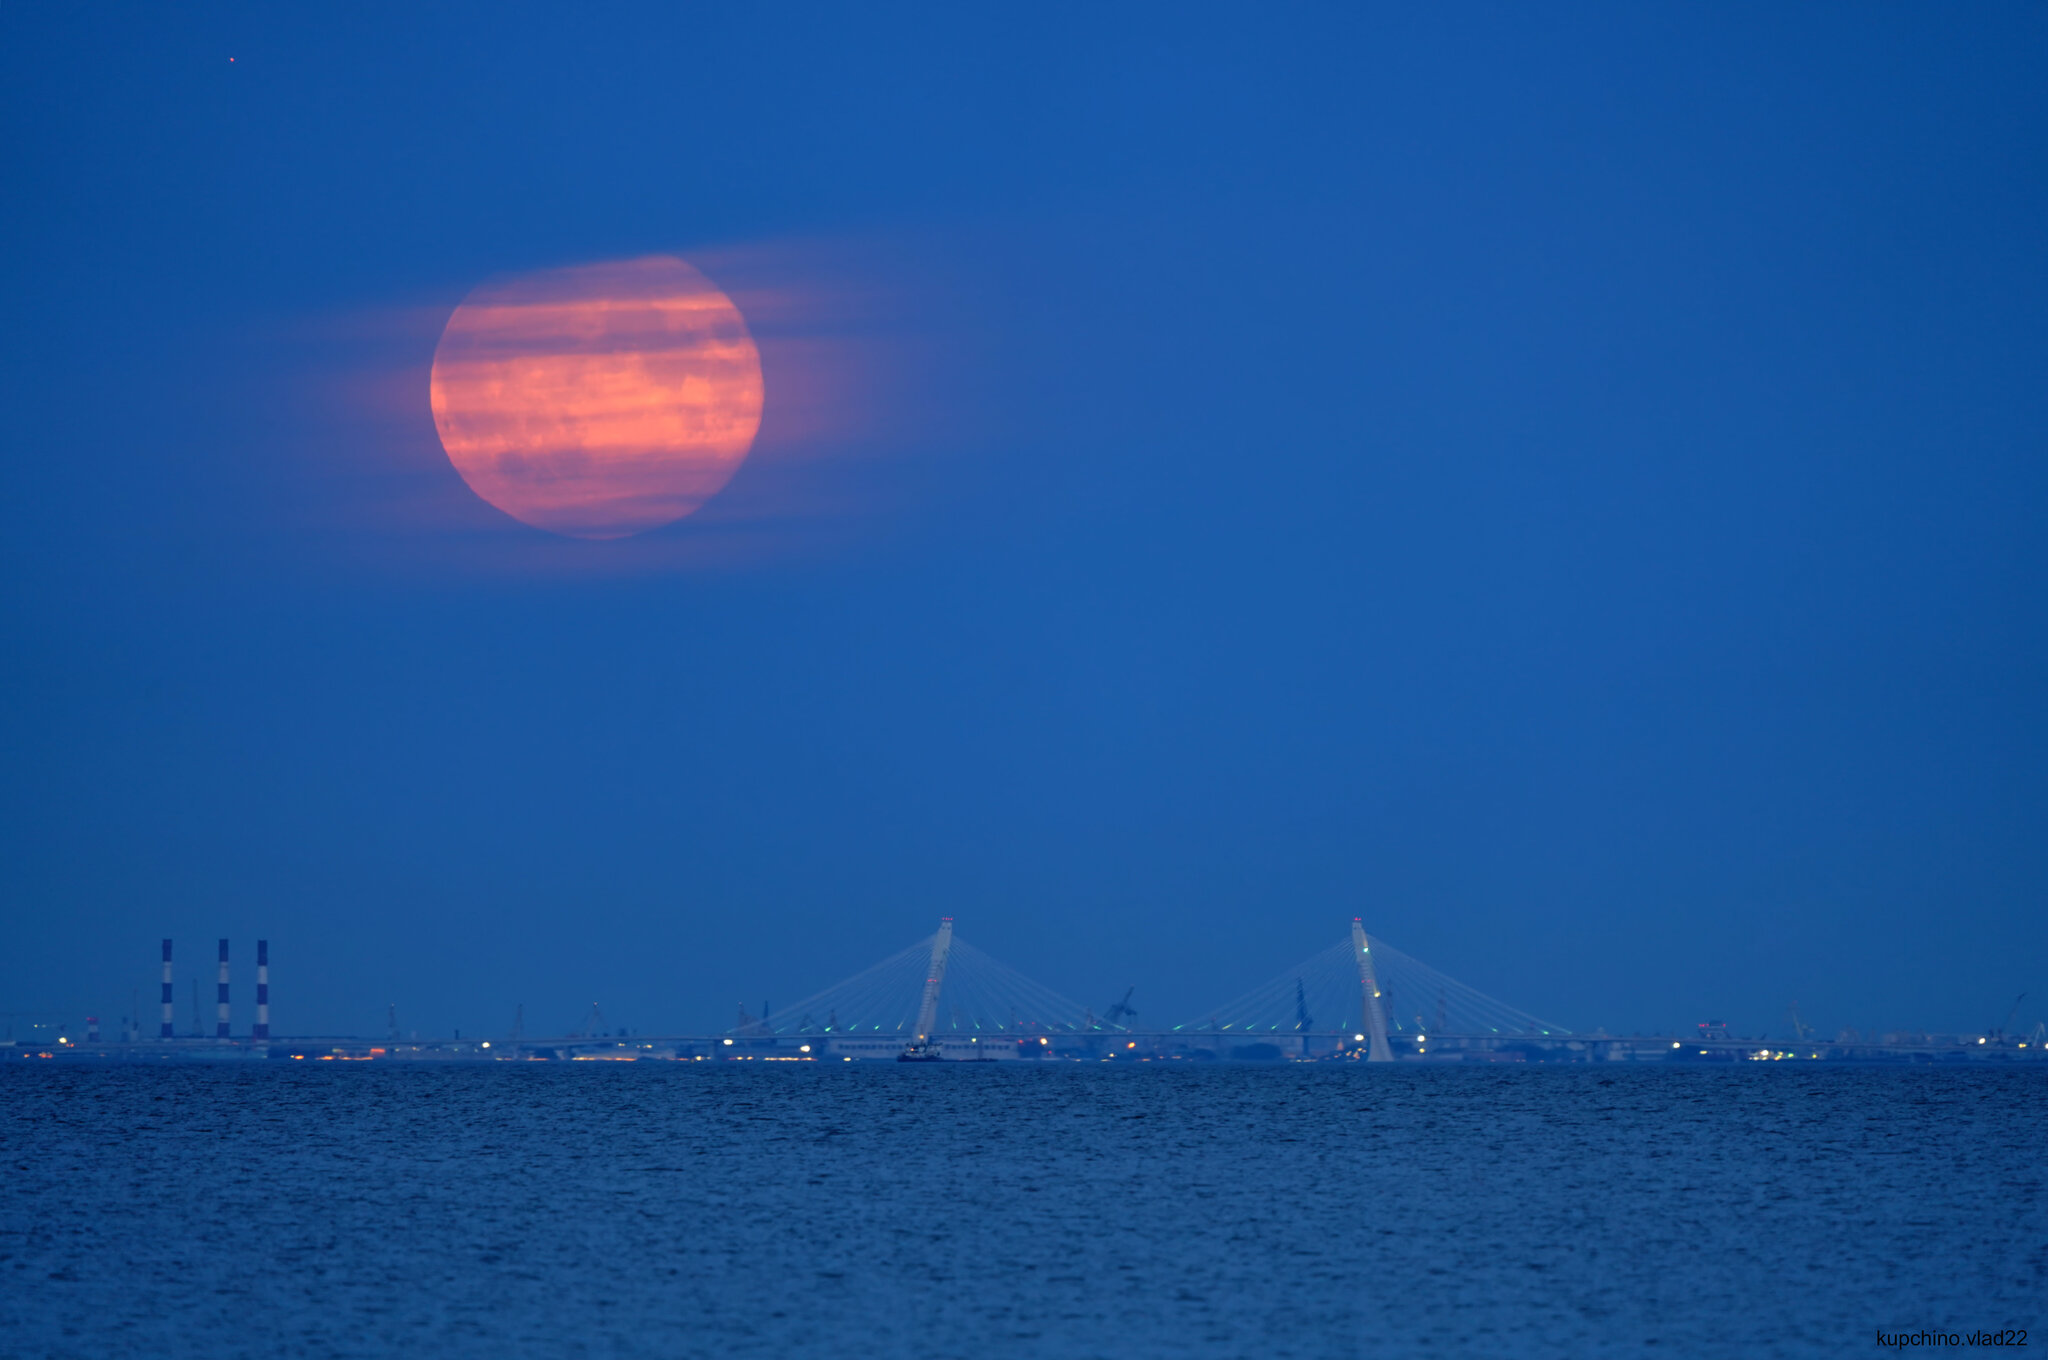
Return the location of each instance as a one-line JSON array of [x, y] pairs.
[[598, 401], [877, 392]]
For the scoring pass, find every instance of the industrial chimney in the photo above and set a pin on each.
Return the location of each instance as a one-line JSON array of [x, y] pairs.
[[262, 989], [221, 1030], [167, 1031]]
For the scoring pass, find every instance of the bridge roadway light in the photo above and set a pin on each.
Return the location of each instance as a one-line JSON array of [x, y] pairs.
[[1358, 1038], [728, 1043], [803, 1048]]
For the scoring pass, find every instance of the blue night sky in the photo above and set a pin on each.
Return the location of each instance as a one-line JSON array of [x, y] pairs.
[[1564, 482]]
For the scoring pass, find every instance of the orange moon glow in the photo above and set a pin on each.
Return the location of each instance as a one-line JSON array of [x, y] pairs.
[[601, 400]]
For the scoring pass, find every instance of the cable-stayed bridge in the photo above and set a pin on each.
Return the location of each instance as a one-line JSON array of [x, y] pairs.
[[941, 998], [1385, 999], [938, 991]]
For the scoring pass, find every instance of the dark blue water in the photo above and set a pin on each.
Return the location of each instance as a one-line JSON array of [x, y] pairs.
[[270, 1210]]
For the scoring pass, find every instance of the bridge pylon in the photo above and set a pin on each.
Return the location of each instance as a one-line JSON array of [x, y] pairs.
[[921, 1048], [1369, 996]]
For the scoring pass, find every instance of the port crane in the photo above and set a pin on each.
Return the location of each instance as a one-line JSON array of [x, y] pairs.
[[2006, 1028], [593, 1024]]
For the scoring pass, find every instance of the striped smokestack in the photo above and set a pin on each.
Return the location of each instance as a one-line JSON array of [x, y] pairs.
[[166, 1031], [263, 989], [221, 1031], [92, 1029]]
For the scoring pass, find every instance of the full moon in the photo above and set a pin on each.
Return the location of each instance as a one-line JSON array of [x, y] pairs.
[[601, 400]]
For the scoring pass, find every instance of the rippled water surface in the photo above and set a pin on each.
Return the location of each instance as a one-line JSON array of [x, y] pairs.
[[270, 1210]]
